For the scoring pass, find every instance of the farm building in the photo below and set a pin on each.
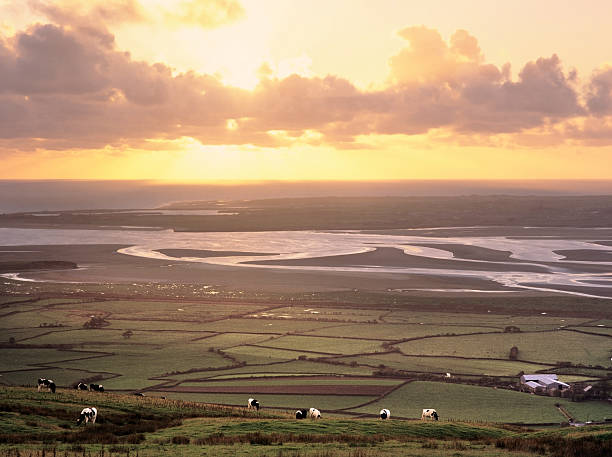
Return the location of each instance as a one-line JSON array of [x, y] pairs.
[[542, 383]]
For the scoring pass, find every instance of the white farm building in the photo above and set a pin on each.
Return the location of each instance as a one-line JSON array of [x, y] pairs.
[[542, 383]]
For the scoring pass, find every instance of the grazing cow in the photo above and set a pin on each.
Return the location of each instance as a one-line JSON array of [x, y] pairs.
[[96, 387], [301, 414], [138, 394], [314, 413], [81, 386], [46, 384], [253, 404], [385, 414], [88, 414], [429, 413]]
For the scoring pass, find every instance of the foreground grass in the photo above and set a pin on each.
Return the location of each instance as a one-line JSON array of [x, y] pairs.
[[429, 448], [34, 424]]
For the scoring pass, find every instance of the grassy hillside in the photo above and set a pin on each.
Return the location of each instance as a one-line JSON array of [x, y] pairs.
[[43, 424]]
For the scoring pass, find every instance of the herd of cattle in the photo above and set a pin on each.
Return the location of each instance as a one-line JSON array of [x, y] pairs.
[[91, 387], [91, 413]]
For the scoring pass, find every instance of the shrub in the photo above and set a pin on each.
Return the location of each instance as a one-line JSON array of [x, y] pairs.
[[180, 439], [513, 353]]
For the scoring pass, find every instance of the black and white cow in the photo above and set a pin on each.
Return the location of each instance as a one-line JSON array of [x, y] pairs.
[[253, 404], [301, 414], [88, 414], [314, 413], [96, 387], [385, 414], [46, 384], [81, 386], [429, 413]]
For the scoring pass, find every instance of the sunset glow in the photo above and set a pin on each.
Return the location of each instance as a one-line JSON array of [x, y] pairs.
[[291, 90]]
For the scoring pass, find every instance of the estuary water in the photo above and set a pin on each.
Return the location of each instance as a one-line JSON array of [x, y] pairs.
[[553, 271]]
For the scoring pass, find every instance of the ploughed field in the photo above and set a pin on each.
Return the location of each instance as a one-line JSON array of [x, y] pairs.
[[348, 359]]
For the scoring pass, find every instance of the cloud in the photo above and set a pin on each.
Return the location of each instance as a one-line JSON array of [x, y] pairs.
[[70, 88], [428, 59], [206, 14], [66, 87], [599, 96], [47, 60], [92, 13], [108, 13], [451, 85]]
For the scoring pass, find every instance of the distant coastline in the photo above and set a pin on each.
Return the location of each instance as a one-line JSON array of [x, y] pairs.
[[51, 195]]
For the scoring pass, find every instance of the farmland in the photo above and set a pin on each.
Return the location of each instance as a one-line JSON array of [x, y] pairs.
[[345, 358]]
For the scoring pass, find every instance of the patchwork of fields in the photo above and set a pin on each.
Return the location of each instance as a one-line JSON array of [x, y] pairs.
[[349, 361]]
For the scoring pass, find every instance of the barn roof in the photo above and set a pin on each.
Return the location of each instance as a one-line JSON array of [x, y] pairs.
[[540, 377], [542, 380]]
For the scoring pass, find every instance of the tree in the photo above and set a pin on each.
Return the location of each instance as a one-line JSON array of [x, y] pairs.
[[513, 353], [512, 329], [95, 322]]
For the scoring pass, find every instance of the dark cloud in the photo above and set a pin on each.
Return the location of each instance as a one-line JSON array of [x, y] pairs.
[[599, 96], [47, 60]]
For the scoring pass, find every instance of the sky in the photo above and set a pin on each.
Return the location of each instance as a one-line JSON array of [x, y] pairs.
[[252, 90]]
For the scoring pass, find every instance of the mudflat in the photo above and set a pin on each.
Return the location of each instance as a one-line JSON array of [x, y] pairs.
[[392, 257], [103, 264]]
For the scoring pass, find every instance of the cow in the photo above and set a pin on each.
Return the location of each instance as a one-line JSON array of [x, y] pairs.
[[314, 413], [301, 414], [253, 404], [81, 386], [429, 413], [385, 414], [46, 384], [96, 387], [88, 414]]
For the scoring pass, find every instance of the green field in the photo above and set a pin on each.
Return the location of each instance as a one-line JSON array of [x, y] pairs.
[[462, 402], [454, 366], [325, 345], [292, 368], [226, 340], [185, 343], [539, 347], [398, 331], [254, 355]]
